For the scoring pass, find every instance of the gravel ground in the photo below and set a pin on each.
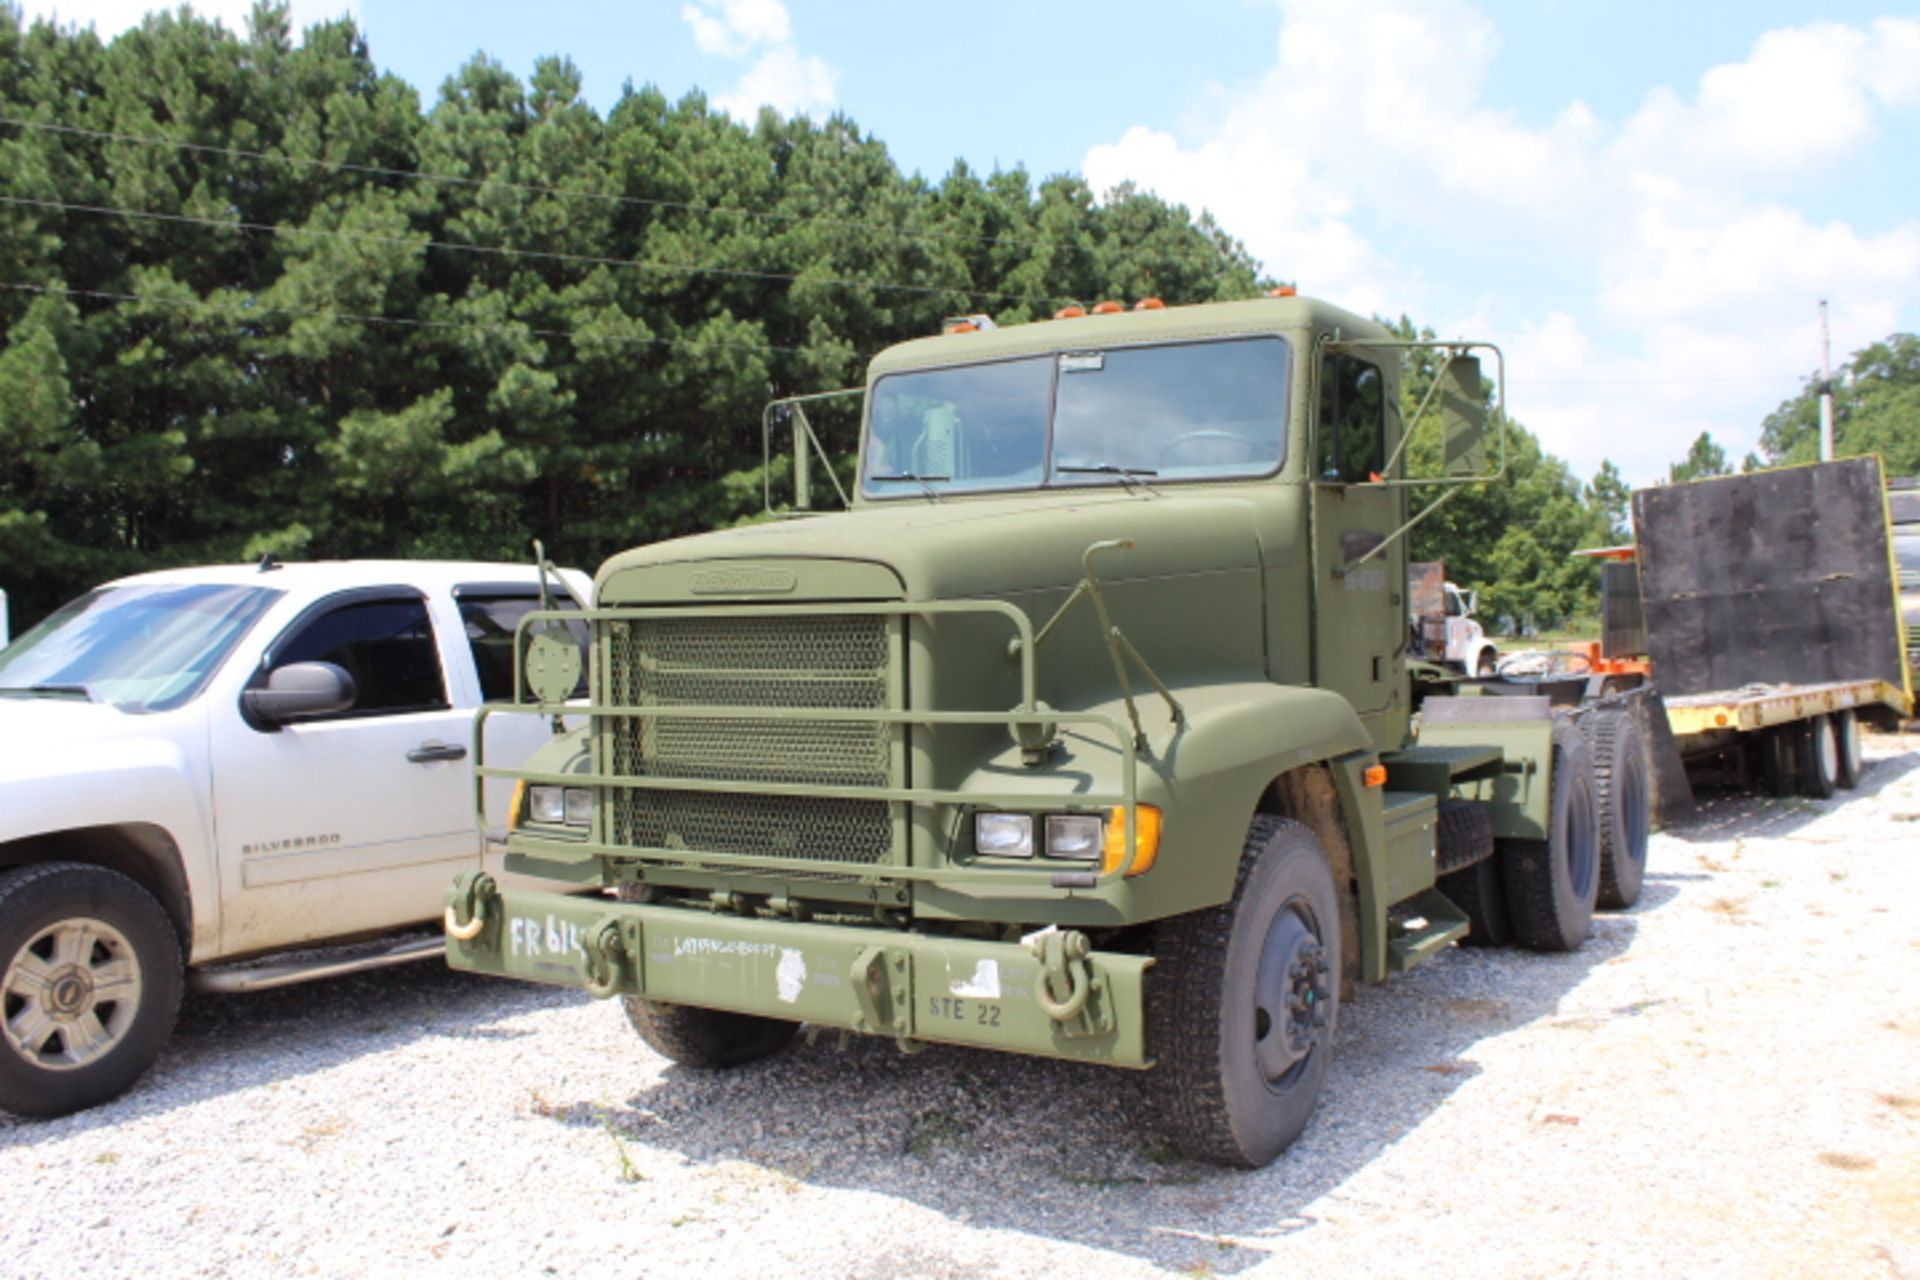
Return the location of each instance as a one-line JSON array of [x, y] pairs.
[[1723, 1082]]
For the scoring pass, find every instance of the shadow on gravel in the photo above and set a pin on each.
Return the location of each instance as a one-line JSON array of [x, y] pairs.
[[1066, 1151], [225, 1043], [1731, 814]]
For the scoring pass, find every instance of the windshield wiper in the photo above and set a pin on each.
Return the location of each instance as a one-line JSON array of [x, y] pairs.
[[1125, 475], [55, 690], [912, 477]]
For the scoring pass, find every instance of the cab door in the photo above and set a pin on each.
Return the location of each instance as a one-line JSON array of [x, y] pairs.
[[1360, 616], [355, 821]]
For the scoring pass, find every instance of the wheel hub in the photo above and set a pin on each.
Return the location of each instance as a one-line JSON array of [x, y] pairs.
[[1291, 996], [69, 993]]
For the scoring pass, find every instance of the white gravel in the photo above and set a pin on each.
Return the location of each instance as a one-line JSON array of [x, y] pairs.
[[1723, 1082]]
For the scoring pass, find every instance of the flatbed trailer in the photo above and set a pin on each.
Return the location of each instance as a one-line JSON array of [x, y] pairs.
[[1768, 611]]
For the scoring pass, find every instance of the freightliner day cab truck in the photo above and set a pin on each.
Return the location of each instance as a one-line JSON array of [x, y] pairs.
[[1087, 732]]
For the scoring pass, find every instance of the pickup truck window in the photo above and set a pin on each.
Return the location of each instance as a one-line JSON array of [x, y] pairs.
[[385, 645], [1172, 411], [141, 648], [490, 622]]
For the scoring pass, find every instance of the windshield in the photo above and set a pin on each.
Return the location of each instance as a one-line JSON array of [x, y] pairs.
[[141, 648], [1200, 410]]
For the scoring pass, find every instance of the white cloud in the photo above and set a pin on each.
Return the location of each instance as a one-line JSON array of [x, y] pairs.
[[787, 80], [729, 28], [1804, 95], [109, 18], [1645, 279], [783, 78]]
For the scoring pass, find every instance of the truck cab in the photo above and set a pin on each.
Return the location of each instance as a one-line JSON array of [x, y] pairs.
[[1087, 731]]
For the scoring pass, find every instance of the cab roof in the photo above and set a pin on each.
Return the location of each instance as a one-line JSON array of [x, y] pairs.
[[1249, 317], [320, 576]]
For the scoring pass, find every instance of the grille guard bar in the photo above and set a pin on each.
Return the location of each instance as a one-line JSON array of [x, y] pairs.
[[866, 873]]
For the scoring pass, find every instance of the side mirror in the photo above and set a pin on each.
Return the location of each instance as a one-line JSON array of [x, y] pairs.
[[1463, 417], [299, 689]]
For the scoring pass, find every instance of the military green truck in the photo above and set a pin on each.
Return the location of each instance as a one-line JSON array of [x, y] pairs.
[[1086, 732]]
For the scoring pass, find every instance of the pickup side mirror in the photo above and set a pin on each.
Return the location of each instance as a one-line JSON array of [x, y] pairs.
[[299, 689]]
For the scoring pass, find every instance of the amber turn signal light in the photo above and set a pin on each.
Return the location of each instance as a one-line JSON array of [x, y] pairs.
[[1146, 839]]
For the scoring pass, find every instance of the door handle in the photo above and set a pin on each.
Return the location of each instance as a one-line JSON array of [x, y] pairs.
[[427, 752]]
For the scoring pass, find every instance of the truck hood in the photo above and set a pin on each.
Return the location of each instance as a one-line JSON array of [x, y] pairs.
[[944, 550], [59, 737]]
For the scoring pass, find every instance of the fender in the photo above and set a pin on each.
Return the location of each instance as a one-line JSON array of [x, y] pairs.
[[1207, 777], [136, 784]]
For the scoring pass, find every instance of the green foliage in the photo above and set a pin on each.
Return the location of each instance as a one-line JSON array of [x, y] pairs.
[[329, 320], [1876, 409], [1704, 460], [1512, 539]]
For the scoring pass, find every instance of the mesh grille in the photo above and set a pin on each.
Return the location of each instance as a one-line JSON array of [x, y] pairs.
[[828, 662]]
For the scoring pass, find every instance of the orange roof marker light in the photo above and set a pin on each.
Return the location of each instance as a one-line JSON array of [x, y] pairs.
[[1149, 304], [1069, 313], [1284, 291], [967, 324], [1107, 308]]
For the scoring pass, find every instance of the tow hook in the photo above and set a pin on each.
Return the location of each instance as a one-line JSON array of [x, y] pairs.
[[602, 948], [1063, 967], [475, 896]]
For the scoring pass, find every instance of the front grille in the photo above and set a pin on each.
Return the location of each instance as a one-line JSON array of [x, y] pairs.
[[779, 661]]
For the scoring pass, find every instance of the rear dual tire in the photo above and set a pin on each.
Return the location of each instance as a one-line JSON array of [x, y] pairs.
[[1553, 884]]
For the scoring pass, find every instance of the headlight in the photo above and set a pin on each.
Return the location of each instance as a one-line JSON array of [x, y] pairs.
[[1003, 835], [1076, 835], [560, 806]]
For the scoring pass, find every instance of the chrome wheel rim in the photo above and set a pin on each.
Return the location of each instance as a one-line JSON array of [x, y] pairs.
[[69, 995]]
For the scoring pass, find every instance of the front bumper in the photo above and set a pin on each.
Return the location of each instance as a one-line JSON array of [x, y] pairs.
[[909, 986]]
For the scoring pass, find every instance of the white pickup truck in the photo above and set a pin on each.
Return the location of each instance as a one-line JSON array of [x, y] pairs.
[[204, 770]]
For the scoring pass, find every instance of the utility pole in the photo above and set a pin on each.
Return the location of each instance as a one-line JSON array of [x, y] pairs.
[[1826, 388]]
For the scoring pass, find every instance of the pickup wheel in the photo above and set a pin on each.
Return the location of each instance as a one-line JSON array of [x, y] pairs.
[[1846, 734], [1620, 797], [1819, 758], [90, 982], [709, 1039], [1243, 1001], [1552, 884]]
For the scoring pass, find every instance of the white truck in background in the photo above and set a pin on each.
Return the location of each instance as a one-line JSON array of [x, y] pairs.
[[202, 770], [1445, 631]]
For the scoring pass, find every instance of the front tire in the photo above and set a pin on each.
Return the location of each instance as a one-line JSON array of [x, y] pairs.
[[1243, 1002], [90, 983], [707, 1039]]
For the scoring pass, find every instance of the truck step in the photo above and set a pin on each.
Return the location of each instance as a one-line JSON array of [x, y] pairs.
[[1433, 767], [321, 962], [1421, 928]]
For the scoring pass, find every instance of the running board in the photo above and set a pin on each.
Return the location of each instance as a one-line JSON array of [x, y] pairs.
[[265, 975], [1422, 927]]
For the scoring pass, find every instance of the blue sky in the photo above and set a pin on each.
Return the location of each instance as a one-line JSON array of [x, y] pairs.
[[1642, 203]]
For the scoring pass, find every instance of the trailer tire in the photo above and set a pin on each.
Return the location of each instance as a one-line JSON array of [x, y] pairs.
[[1243, 1002], [1819, 758], [1846, 733], [90, 983], [706, 1039], [1552, 884], [1621, 800]]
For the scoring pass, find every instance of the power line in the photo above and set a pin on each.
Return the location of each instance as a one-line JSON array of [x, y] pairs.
[[530, 188], [250, 310], [460, 246]]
